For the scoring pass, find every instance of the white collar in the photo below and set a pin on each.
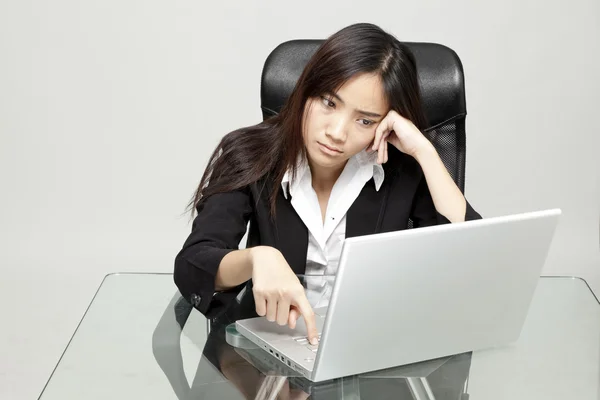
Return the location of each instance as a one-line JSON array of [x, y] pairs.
[[363, 161]]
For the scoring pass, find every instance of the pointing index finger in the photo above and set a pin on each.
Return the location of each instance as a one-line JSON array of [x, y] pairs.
[[309, 318]]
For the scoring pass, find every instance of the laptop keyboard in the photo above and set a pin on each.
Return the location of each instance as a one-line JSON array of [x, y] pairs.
[[303, 341]]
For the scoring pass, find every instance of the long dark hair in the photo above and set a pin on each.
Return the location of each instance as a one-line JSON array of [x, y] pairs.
[[269, 149]]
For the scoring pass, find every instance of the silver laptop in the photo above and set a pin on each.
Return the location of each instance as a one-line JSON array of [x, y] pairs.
[[419, 294]]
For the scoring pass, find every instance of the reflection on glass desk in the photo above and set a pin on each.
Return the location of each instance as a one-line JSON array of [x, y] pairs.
[[140, 340]]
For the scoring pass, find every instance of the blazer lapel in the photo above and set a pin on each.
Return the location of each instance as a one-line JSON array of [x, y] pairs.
[[364, 217], [291, 234], [364, 214]]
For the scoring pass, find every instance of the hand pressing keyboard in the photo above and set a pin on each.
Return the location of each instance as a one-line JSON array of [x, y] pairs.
[[303, 340]]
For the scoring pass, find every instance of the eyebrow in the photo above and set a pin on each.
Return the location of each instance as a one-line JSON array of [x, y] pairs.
[[367, 113]]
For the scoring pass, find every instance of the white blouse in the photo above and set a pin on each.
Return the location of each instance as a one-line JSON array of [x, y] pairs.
[[325, 239]]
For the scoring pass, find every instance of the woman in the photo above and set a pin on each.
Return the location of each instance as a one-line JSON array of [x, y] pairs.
[[344, 157]]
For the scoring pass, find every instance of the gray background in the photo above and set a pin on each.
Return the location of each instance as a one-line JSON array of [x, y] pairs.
[[109, 110]]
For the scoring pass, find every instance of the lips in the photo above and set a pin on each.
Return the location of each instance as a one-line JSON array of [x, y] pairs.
[[330, 148]]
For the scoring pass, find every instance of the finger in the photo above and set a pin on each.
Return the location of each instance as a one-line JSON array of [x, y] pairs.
[[293, 317], [379, 132], [283, 312], [385, 153], [271, 309], [380, 151], [260, 304], [309, 318]]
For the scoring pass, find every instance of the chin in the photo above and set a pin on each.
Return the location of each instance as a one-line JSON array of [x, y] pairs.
[[326, 161]]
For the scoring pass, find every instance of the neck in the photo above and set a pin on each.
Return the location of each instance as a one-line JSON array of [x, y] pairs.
[[324, 178]]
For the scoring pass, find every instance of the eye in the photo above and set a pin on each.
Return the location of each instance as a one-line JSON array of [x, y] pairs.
[[327, 102], [366, 122]]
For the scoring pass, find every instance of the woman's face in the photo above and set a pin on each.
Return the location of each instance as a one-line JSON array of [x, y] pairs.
[[339, 125]]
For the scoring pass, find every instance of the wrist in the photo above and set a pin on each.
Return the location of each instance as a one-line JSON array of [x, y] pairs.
[[257, 252], [425, 153], [252, 255]]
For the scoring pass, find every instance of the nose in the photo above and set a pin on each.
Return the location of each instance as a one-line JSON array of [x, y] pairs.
[[337, 130]]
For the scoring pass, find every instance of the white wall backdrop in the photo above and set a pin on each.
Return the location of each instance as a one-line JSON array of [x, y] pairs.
[[109, 110]]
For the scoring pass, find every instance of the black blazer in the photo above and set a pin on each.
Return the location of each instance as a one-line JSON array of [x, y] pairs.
[[222, 220]]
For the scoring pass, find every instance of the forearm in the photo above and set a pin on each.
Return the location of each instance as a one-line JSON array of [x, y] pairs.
[[235, 268], [447, 197]]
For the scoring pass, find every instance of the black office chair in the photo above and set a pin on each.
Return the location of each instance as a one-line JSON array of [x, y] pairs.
[[442, 89]]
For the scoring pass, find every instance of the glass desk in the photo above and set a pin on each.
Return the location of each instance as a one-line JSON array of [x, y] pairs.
[[140, 340]]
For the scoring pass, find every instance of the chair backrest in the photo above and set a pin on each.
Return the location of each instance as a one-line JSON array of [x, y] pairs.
[[442, 89]]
